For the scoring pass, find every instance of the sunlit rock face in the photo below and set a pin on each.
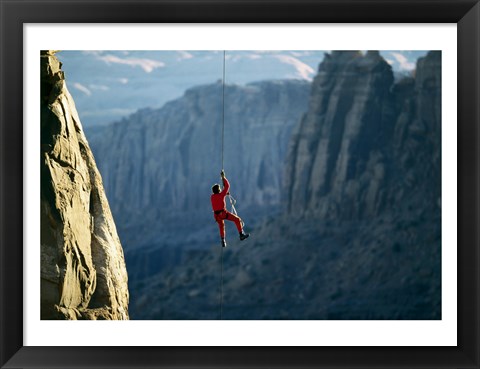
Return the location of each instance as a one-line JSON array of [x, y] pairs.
[[83, 272]]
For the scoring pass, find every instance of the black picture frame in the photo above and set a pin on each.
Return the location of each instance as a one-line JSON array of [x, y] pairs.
[[14, 13]]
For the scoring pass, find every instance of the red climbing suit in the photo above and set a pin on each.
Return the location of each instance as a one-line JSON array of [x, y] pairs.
[[220, 210]]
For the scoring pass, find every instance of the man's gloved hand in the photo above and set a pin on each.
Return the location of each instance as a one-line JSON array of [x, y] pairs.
[[222, 174]]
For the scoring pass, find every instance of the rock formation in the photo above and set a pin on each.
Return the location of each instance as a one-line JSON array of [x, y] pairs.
[[416, 139], [366, 145], [83, 272]]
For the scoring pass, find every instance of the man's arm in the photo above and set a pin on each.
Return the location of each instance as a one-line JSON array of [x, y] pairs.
[[226, 185]]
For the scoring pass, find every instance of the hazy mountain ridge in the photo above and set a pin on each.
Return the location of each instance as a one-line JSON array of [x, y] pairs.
[[102, 81]]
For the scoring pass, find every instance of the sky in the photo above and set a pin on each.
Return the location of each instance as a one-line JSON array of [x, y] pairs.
[[110, 84]]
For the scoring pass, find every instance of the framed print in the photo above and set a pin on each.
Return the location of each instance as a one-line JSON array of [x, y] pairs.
[[356, 175]]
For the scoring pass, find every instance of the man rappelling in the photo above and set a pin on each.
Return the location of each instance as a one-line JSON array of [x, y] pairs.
[[220, 211]]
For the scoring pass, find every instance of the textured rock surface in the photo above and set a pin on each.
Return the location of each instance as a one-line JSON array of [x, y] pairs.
[[417, 138], [83, 272], [366, 145], [159, 163]]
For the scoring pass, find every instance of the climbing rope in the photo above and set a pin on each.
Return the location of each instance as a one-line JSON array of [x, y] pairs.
[[221, 294], [223, 106], [223, 140], [232, 200], [232, 205]]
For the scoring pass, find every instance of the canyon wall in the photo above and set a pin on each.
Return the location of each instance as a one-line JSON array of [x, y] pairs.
[[366, 144]]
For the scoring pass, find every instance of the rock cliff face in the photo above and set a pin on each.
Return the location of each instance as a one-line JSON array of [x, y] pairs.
[[366, 144], [164, 161], [83, 272], [417, 138]]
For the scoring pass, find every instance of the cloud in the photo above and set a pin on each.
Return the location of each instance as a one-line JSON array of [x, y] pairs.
[[82, 88], [148, 65], [99, 87], [303, 70], [92, 52], [123, 81], [243, 56], [182, 55], [300, 53], [403, 61], [108, 112], [266, 51]]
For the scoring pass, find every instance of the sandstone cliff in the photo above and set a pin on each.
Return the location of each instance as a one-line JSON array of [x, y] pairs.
[[83, 272]]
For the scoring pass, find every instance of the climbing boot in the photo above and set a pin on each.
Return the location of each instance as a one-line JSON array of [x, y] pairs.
[[243, 235], [224, 243]]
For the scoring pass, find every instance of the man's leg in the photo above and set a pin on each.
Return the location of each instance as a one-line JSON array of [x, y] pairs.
[[238, 223], [221, 227], [233, 218]]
